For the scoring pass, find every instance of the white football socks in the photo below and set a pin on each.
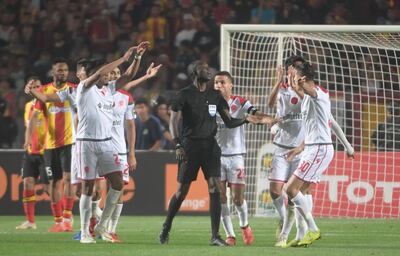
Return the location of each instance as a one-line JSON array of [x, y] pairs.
[[301, 204], [227, 221]]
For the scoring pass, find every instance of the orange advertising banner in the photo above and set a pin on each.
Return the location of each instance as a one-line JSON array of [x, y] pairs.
[[197, 199]]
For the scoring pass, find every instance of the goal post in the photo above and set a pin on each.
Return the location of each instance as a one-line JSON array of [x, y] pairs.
[[359, 65]]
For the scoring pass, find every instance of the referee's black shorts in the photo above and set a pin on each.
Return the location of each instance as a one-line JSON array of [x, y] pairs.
[[57, 161], [204, 153], [33, 166]]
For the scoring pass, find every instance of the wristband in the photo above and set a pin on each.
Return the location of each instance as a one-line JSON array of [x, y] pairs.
[[177, 140]]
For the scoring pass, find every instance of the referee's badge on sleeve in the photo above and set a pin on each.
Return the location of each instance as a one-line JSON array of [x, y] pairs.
[[212, 110]]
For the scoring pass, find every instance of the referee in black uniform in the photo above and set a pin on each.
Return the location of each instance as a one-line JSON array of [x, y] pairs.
[[198, 105]]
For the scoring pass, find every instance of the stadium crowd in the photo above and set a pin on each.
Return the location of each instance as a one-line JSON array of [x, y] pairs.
[[34, 33]]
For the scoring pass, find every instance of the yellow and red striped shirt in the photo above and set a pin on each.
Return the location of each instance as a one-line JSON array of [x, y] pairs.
[[58, 116], [39, 129]]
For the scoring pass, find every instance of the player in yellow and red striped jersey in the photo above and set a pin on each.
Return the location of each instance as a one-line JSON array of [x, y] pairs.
[[33, 163], [57, 154]]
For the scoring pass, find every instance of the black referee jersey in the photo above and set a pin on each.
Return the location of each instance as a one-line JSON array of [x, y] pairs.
[[199, 111]]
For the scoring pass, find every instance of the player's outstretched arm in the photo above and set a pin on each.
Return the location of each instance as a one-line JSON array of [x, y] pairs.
[[274, 93], [262, 119], [340, 134], [39, 95], [133, 68], [104, 70], [151, 72]]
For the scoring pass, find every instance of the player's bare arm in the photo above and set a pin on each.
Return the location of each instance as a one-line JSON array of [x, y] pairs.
[[133, 68], [174, 129], [39, 95], [29, 130], [295, 151], [266, 119], [280, 71], [108, 68], [342, 137], [131, 133], [151, 72]]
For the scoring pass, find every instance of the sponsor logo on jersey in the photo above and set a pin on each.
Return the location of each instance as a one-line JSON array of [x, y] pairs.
[[56, 109], [117, 122], [105, 106], [294, 116]]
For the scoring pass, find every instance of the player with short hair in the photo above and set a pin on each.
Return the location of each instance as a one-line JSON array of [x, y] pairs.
[[57, 154], [33, 163], [288, 134], [197, 106], [97, 156], [233, 149], [317, 145]]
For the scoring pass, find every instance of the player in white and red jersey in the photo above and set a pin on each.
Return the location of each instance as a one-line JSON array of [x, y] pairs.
[[233, 149], [96, 154], [288, 134], [318, 148]]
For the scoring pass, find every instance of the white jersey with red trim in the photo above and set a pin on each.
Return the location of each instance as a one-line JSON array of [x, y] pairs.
[[291, 129], [232, 141], [316, 113], [123, 110], [95, 112]]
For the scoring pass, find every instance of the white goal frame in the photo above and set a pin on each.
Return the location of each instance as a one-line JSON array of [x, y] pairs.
[[225, 45]]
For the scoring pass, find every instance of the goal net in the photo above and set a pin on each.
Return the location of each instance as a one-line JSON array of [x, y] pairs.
[[359, 65]]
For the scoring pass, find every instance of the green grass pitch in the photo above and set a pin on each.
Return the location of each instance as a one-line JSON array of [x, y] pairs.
[[190, 236]]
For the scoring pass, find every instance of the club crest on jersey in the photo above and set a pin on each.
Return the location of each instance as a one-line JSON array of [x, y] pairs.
[[212, 110]]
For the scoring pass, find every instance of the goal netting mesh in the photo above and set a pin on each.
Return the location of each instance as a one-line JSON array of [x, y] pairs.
[[361, 71]]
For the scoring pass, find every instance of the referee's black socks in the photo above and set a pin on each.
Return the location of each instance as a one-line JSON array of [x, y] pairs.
[[215, 213], [173, 208]]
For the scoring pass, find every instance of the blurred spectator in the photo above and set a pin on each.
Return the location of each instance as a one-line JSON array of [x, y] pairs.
[[157, 24], [204, 40], [148, 128], [145, 34], [222, 12], [8, 104], [7, 92], [188, 31], [162, 112], [264, 13], [102, 31], [316, 10], [6, 27], [387, 135], [338, 15], [185, 56]]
